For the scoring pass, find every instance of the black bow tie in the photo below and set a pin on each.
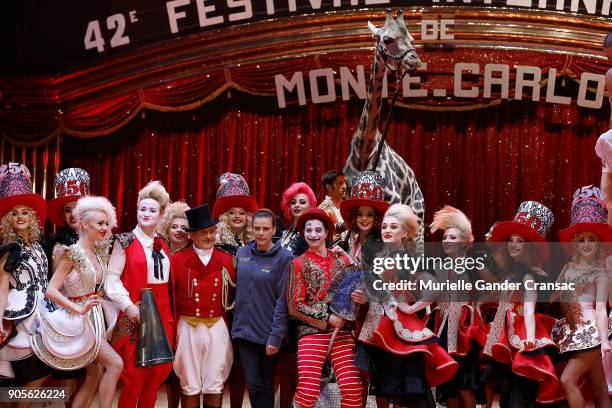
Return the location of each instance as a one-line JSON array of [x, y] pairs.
[[158, 267]]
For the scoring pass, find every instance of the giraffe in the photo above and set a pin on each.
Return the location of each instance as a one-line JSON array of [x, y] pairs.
[[393, 47]]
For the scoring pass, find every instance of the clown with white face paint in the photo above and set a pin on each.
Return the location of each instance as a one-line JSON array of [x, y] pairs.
[[140, 259], [310, 276], [582, 335]]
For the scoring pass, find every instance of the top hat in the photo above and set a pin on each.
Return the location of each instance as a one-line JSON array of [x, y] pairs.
[[70, 185], [199, 218], [233, 192], [589, 214], [16, 189], [532, 221], [367, 189], [316, 214]]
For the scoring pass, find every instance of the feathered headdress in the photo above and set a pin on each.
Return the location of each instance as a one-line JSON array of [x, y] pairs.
[[449, 217]]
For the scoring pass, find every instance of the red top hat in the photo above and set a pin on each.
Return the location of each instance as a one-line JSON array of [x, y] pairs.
[[233, 192], [316, 214], [532, 221], [16, 189], [367, 189], [70, 185], [589, 214]]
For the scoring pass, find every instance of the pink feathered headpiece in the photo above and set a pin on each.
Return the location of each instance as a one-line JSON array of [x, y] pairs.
[[292, 191], [449, 217]]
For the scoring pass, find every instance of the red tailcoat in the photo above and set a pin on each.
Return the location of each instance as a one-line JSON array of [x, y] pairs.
[[198, 287]]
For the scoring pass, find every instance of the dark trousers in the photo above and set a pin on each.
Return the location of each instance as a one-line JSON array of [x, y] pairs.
[[258, 373]]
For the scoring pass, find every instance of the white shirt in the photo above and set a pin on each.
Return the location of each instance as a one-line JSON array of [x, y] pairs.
[[203, 254], [113, 285], [603, 149], [328, 202]]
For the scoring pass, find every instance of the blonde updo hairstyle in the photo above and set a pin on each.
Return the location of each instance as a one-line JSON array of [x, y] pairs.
[[86, 206], [175, 210], [409, 221], [155, 191]]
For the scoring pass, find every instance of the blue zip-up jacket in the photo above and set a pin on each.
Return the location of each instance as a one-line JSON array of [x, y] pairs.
[[260, 314]]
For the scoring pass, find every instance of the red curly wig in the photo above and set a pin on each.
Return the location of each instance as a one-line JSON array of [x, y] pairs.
[[292, 191]]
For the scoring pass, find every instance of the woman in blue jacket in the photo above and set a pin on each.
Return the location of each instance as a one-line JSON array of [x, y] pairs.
[[260, 319]]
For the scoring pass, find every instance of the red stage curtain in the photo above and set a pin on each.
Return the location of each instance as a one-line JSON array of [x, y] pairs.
[[30, 116], [484, 162]]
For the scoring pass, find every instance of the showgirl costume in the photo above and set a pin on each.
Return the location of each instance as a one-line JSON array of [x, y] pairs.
[[27, 266], [460, 329], [507, 331], [68, 341], [70, 185], [454, 320], [578, 329], [404, 357]]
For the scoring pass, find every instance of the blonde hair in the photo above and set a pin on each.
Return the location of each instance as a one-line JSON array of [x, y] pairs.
[[601, 252], [175, 210], [406, 216], [410, 222], [155, 191], [225, 234], [86, 205], [9, 234]]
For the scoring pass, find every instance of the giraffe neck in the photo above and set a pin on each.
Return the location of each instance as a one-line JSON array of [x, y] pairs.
[[365, 135]]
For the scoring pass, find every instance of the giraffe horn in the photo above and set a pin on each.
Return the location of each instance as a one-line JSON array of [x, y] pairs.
[[389, 19], [400, 19]]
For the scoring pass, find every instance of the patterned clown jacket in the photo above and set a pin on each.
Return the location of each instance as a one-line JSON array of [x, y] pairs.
[[308, 294]]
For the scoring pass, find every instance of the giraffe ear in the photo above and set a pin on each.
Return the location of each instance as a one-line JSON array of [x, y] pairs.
[[375, 31]]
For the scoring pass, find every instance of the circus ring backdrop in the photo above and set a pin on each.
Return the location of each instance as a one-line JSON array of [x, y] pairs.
[[508, 107]]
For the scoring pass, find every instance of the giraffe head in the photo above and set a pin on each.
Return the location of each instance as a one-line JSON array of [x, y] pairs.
[[394, 42]]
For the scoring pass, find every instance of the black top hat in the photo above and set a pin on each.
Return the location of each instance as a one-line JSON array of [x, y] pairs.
[[199, 218]]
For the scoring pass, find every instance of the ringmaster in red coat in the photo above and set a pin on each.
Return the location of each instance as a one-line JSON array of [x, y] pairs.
[[139, 260], [204, 281]]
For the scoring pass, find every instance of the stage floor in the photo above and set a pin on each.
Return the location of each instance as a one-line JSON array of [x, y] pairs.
[[162, 402]]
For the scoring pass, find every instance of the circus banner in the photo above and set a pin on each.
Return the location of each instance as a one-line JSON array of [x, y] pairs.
[[94, 30]]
